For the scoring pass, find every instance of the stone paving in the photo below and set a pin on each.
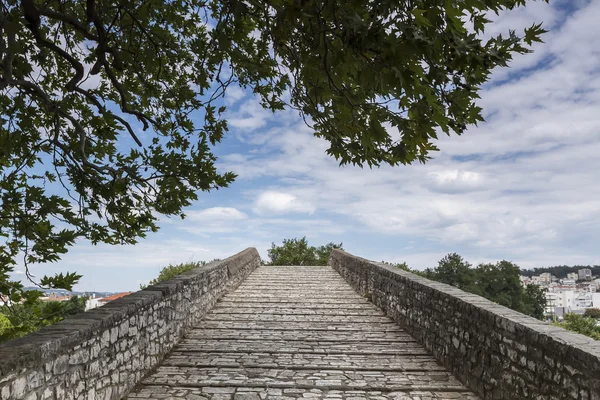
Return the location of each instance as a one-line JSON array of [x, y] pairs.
[[298, 332]]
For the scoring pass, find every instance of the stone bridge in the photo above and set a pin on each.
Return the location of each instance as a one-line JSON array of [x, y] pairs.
[[354, 330]]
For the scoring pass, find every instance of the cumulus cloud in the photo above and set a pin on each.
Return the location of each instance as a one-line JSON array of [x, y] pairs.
[[217, 214], [249, 116], [273, 202], [456, 181], [214, 220], [234, 94]]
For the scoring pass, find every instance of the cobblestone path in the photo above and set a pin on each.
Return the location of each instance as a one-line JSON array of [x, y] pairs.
[[298, 332]]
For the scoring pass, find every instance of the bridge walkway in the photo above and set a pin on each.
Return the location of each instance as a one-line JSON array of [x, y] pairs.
[[298, 332]]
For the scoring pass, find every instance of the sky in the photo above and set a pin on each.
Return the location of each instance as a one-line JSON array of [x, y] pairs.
[[523, 186]]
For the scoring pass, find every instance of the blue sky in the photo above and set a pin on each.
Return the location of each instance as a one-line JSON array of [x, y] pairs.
[[523, 186]]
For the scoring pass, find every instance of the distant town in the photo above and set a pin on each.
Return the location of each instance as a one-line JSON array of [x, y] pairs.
[[94, 299], [573, 292]]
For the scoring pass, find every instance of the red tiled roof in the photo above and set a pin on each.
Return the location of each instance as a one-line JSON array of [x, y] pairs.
[[114, 297]]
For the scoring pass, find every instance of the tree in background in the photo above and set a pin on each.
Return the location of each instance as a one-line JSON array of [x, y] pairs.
[[403, 266], [581, 324], [26, 318], [378, 80], [298, 252], [171, 271], [5, 325], [453, 270], [534, 301], [592, 313], [499, 282], [322, 253]]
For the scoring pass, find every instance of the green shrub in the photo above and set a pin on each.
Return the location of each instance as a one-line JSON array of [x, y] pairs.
[[171, 271]]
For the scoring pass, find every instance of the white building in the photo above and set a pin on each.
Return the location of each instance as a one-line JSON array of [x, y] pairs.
[[596, 300], [573, 276], [5, 301], [583, 301], [563, 302], [92, 302], [560, 302], [545, 278], [585, 274], [551, 302]]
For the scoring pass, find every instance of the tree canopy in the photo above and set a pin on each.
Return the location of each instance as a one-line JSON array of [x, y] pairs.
[[581, 324], [298, 252], [592, 313], [111, 109], [18, 320], [173, 270], [452, 270], [499, 282]]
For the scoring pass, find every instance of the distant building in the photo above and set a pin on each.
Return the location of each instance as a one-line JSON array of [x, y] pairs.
[[545, 278], [552, 300], [56, 297], [596, 300], [563, 300], [559, 303], [583, 301], [92, 302], [585, 274], [573, 276], [108, 299], [5, 300]]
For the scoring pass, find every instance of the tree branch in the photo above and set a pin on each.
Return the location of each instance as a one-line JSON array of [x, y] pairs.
[[102, 109], [32, 16], [8, 60]]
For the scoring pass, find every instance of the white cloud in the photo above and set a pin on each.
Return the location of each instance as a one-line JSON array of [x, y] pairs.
[[273, 202], [217, 214], [249, 116], [214, 220], [455, 181], [234, 94]]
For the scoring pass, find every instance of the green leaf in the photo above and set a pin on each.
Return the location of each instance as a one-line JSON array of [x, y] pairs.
[[534, 33], [420, 19]]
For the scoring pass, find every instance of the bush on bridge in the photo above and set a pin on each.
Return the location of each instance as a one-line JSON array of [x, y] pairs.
[[172, 270], [581, 324], [298, 252]]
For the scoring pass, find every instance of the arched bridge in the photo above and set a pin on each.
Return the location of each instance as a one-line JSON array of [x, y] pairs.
[[355, 330]]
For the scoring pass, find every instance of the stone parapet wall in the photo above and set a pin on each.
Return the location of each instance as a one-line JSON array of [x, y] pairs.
[[102, 353], [496, 352]]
